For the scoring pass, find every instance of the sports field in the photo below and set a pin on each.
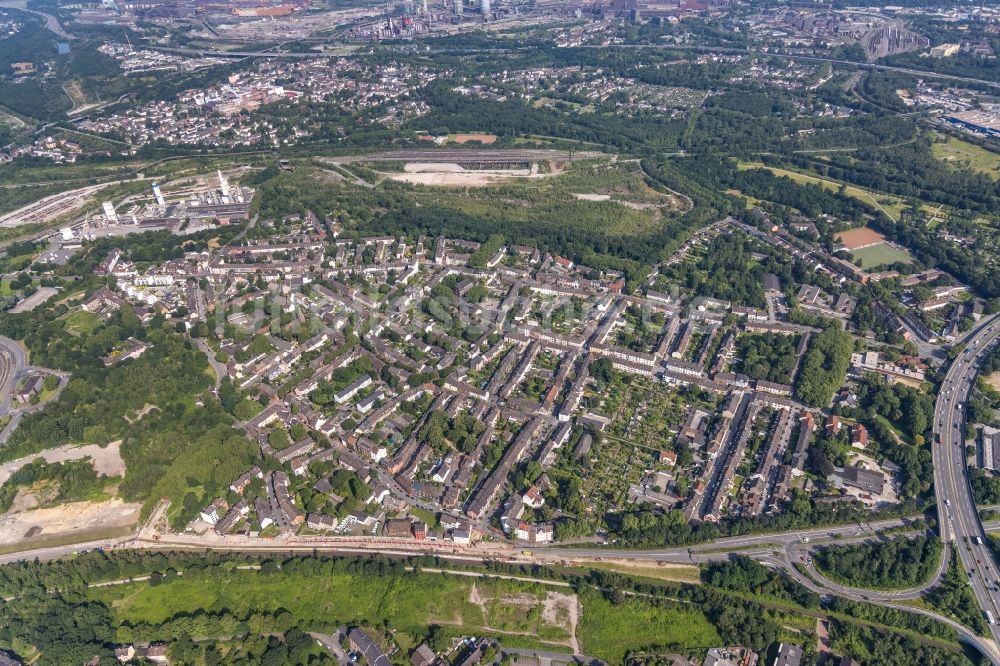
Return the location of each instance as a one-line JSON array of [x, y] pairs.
[[881, 254]]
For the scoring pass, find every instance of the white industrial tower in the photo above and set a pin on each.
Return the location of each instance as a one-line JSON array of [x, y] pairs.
[[109, 211], [223, 184], [159, 196]]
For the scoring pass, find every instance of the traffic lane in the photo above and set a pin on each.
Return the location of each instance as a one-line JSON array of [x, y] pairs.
[[953, 489], [13, 365]]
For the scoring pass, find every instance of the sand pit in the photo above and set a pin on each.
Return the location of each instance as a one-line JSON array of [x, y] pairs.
[[487, 139], [444, 174], [77, 518]]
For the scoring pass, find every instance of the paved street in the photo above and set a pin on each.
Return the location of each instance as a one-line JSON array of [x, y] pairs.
[[958, 516]]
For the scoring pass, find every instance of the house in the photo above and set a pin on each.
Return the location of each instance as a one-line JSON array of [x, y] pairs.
[[990, 453], [832, 424], [563, 264], [363, 643], [788, 655], [863, 479], [667, 458], [804, 227], [859, 436], [475, 656], [352, 390], [533, 498], [419, 530], [240, 484], [132, 349], [124, 653], [731, 656], [463, 537], [102, 299], [537, 532], [423, 656], [443, 471], [32, 386], [398, 527], [545, 533], [320, 523], [211, 513], [156, 653], [232, 517], [263, 511]]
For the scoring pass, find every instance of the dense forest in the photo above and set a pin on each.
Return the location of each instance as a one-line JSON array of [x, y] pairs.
[[900, 563], [824, 366]]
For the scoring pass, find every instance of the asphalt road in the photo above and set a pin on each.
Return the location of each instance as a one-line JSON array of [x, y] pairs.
[[959, 520], [219, 53], [13, 365]]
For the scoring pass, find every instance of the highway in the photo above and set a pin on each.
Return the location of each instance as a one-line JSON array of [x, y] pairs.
[[219, 53], [13, 365], [958, 517]]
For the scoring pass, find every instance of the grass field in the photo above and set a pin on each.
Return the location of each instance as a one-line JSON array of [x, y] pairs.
[[67, 539], [521, 613], [961, 153], [892, 205], [81, 321], [608, 632], [410, 603], [881, 254], [633, 208], [677, 573]]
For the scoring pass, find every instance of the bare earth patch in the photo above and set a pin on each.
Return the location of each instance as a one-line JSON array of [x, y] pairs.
[[562, 610], [107, 461], [481, 138], [146, 409], [68, 519], [860, 237], [994, 380], [682, 573], [559, 609], [441, 174]]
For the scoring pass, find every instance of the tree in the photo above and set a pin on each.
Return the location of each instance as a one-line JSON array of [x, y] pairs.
[[824, 367], [602, 370]]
